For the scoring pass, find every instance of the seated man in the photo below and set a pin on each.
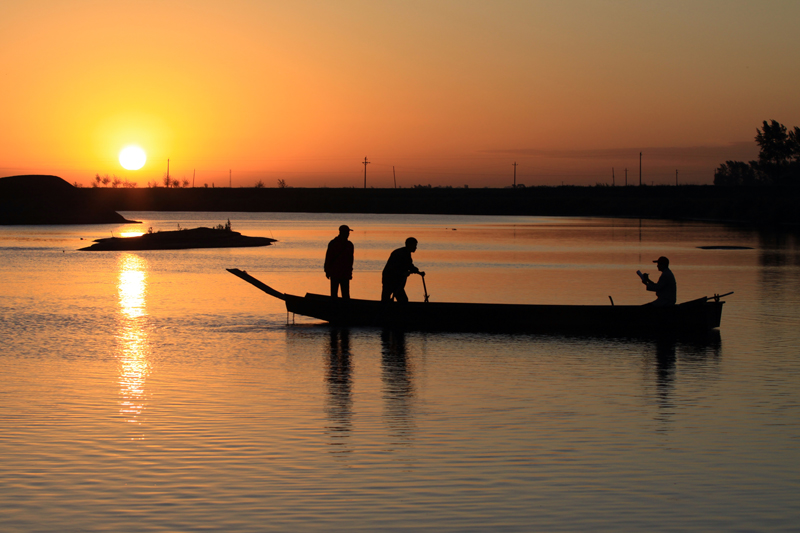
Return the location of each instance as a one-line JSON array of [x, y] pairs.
[[665, 288], [397, 269]]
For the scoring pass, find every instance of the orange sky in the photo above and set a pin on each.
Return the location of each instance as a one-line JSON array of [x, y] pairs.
[[447, 92]]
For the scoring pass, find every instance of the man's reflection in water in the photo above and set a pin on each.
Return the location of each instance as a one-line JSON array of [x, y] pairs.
[[398, 386], [340, 400], [665, 374], [698, 360]]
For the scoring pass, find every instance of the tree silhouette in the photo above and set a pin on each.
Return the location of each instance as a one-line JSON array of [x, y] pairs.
[[777, 151], [778, 159], [735, 173]]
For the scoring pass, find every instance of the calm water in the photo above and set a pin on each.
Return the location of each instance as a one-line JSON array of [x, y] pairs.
[[153, 391]]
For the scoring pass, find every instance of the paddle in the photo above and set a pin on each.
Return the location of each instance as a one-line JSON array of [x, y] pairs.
[[424, 288]]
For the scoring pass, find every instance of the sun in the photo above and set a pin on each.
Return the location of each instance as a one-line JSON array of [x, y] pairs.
[[132, 158]]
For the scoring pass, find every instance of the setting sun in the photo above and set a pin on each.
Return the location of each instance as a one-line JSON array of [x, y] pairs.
[[132, 158]]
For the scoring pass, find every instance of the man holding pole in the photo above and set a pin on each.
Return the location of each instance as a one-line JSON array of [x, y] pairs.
[[397, 269]]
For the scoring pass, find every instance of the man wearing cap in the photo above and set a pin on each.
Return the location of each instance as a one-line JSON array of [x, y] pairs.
[[665, 288], [397, 269], [339, 262]]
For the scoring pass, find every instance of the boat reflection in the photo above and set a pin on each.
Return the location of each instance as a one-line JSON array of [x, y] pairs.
[[339, 379], [134, 349], [398, 385]]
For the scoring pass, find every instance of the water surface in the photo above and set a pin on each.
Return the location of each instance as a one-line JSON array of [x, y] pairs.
[[153, 391]]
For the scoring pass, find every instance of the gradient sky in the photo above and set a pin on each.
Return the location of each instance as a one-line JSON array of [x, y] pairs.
[[447, 92]]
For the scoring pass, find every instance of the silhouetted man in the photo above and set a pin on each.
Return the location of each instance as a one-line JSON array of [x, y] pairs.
[[397, 269], [665, 288], [339, 263]]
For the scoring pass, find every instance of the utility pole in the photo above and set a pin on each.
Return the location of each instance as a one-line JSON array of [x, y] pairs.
[[365, 163], [394, 176], [515, 173], [613, 182], [640, 169]]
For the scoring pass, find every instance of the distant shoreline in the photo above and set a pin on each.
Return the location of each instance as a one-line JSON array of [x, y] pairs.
[[744, 205], [51, 200]]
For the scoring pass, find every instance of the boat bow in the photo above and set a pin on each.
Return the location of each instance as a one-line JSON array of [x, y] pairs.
[[253, 281]]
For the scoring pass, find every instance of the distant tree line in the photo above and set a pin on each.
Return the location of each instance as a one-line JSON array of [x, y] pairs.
[[778, 160], [114, 182]]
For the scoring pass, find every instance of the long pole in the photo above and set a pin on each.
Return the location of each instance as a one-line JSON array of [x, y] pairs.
[[515, 174], [640, 169], [365, 163]]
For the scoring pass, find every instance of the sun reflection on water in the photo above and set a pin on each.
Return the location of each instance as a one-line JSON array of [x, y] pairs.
[[131, 234], [132, 335]]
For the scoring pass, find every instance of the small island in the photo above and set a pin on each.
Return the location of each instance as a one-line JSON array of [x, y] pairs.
[[181, 239]]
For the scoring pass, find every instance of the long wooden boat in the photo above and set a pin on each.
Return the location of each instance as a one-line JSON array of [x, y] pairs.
[[695, 316]]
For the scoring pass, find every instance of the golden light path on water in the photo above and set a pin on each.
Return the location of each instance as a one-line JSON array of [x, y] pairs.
[[132, 336]]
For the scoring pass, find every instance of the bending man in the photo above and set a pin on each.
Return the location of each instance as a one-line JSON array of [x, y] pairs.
[[397, 269]]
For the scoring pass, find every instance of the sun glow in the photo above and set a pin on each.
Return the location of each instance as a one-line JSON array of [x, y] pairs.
[[132, 158]]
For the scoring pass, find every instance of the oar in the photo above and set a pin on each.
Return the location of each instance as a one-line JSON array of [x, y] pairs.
[[716, 297], [424, 288]]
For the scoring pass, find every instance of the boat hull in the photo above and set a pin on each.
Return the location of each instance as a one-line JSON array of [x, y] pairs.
[[696, 316]]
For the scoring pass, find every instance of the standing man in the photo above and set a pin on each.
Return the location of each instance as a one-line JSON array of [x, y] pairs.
[[339, 263], [397, 269], [665, 288]]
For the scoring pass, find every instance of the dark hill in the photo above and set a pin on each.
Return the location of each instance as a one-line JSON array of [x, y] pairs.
[[49, 200]]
